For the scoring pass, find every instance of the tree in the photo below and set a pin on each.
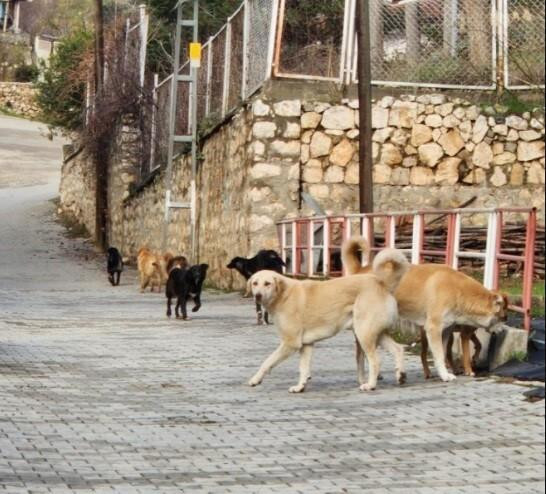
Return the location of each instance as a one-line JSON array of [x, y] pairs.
[[61, 93], [479, 32]]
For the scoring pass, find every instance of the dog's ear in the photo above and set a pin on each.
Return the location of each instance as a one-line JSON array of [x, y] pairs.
[[280, 284], [204, 268]]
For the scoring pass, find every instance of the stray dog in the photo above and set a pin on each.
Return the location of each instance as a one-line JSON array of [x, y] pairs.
[[435, 296], [306, 312], [265, 259], [468, 334], [114, 266], [177, 262], [185, 284], [152, 268]]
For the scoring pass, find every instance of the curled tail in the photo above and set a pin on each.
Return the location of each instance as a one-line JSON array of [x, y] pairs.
[[390, 265], [349, 254]]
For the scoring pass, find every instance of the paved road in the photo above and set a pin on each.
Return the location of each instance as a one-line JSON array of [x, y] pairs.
[[99, 393]]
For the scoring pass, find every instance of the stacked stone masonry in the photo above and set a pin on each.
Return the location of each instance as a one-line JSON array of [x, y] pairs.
[[19, 98], [429, 151]]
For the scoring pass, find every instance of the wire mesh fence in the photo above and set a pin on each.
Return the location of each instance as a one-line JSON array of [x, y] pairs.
[[262, 17], [421, 43], [432, 42], [311, 38], [524, 33]]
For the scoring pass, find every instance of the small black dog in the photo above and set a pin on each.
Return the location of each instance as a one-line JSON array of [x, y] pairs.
[[185, 284], [265, 259], [114, 266]]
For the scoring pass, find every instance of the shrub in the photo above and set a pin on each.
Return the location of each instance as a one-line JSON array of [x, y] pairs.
[[27, 73]]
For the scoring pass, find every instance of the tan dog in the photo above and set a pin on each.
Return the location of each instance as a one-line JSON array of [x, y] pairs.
[[306, 312], [436, 297], [152, 268]]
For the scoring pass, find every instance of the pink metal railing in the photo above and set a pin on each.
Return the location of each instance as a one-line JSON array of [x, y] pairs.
[[313, 245]]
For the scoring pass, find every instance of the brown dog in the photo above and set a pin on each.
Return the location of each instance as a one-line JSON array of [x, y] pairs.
[[435, 297], [152, 268], [468, 334]]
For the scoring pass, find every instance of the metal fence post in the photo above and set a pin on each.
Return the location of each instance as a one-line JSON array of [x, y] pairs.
[[143, 31], [153, 124], [227, 70]]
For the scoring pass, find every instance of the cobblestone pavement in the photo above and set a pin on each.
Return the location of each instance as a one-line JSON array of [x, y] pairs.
[[100, 393]]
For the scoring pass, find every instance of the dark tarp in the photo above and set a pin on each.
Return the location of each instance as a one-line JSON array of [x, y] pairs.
[[532, 369]]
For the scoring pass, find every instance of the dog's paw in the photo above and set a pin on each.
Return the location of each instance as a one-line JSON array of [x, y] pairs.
[[255, 381], [367, 387], [401, 377], [299, 388], [470, 374], [196, 308], [448, 377]]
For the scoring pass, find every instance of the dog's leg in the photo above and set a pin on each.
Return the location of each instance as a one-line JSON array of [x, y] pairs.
[[177, 308], [169, 305], [266, 317], [144, 282], [197, 300], [467, 361], [280, 354], [360, 367], [397, 351], [118, 278], [424, 354], [373, 364], [259, 314], [449, 351], [111, 279], [306, 353], [477, 348], [433, 328], [183, 301]]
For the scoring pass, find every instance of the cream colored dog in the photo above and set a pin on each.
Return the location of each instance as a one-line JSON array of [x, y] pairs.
[[436, 297], [306, 312]]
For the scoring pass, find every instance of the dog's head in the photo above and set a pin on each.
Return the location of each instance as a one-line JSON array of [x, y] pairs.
[[499, 304], [239, 264], [177, 262], [266, 287]]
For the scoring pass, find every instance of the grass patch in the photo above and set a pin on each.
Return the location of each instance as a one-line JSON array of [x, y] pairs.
[[519, 356]]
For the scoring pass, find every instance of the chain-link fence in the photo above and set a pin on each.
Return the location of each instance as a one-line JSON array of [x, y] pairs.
[[311, 39], [235, 62], [438, 42], [524, 43]]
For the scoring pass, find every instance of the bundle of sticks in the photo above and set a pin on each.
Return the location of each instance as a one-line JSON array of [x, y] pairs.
[[474, 238]]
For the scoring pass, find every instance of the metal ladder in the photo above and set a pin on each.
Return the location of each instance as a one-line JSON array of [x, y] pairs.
[[191, 79]]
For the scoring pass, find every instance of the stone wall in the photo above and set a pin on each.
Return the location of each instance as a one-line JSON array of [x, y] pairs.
[[19, 98], [429, 151], [77, 188]]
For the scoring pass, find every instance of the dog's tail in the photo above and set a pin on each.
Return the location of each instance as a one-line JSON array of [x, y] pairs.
[[349, 253], [390, 265]]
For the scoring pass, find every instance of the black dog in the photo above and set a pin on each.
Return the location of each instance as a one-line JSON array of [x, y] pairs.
[[265, 259], [114, 266], [185, 284]]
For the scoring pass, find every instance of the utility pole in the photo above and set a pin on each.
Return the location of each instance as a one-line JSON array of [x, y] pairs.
[[101, 155], [365, 98], [99, 46]]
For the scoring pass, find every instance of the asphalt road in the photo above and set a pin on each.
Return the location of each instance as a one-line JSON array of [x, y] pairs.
[[100, 393]]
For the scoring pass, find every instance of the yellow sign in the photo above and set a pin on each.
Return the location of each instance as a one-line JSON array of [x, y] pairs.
[[195, 55]]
